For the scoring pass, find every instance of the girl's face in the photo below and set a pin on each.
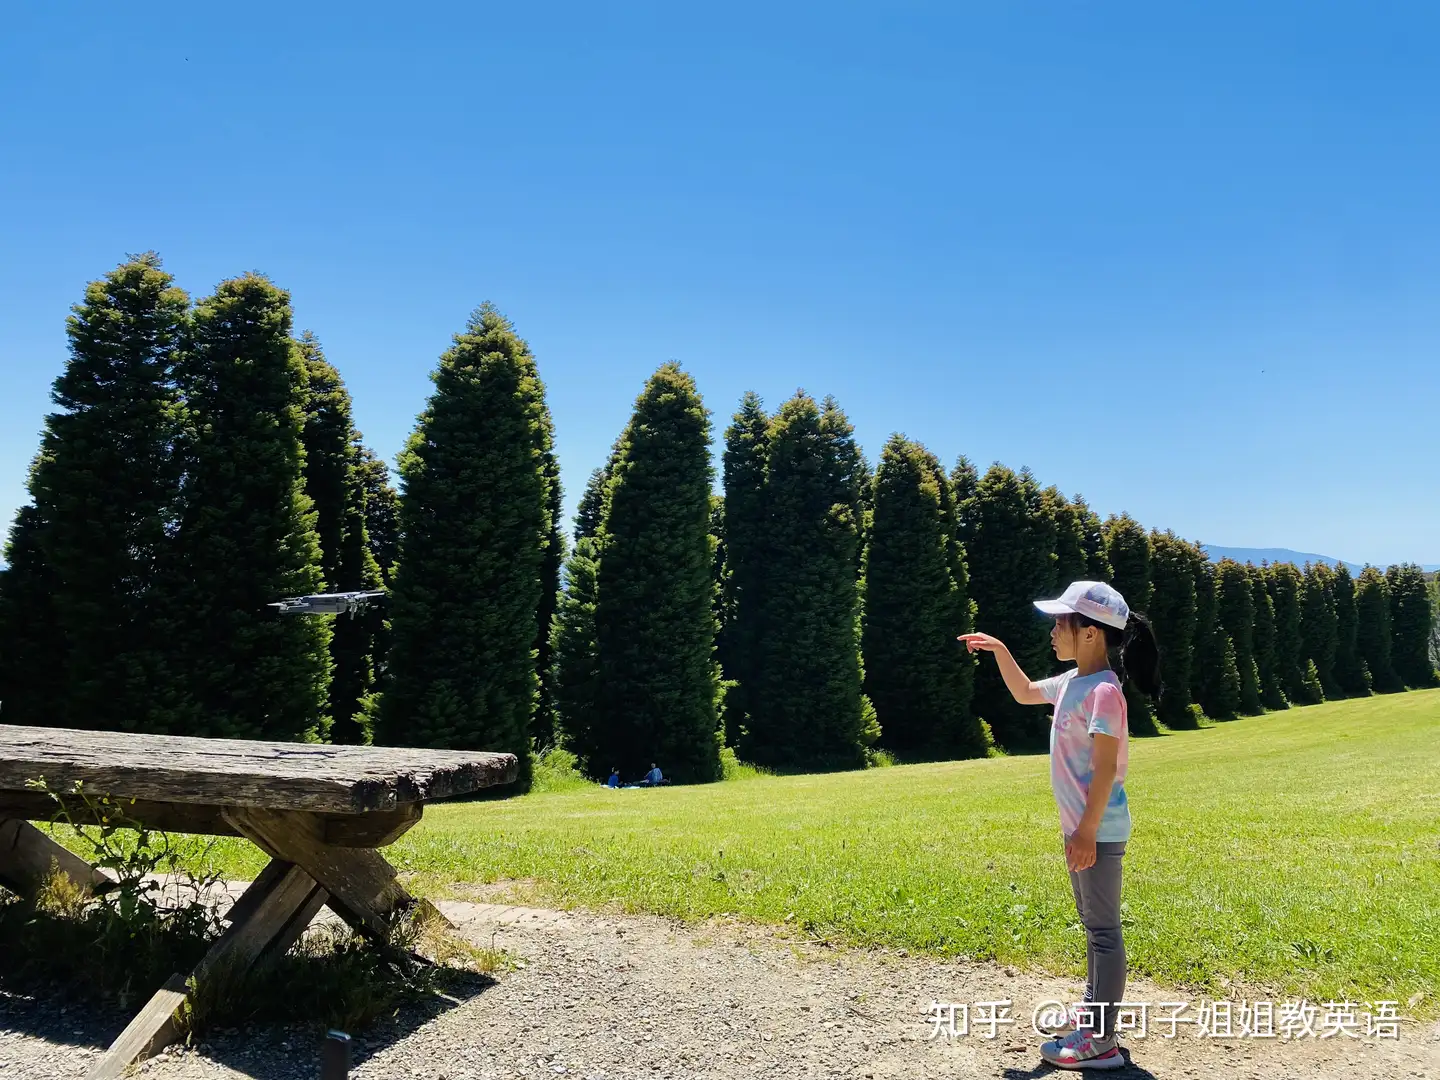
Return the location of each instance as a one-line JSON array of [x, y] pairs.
[[1062, 639], [1067, 636]]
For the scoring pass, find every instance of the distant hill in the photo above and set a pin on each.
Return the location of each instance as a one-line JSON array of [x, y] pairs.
[[1274, 555]]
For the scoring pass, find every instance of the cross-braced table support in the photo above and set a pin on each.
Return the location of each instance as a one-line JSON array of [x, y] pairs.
[[305, 873]]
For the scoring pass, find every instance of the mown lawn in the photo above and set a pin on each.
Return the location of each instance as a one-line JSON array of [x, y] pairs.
[[1297, 852]]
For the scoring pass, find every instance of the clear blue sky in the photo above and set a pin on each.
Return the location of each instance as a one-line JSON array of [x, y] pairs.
[[1184, 259]]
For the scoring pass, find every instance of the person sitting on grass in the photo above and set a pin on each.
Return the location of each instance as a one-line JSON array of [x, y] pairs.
[[1089, 749], [614, 780], [652, 777]]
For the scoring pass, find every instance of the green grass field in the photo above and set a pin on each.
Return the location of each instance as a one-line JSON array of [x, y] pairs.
[[1298, 852]]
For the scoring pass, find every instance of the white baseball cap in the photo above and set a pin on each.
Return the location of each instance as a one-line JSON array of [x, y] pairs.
[[1093, 599]]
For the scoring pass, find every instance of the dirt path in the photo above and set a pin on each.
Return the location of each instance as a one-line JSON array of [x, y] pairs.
[[612, 997]]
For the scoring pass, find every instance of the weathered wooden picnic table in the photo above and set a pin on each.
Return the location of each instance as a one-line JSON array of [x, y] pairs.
[[320, 812]]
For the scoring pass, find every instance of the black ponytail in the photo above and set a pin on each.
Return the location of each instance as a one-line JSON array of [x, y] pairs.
[[1140, 655]]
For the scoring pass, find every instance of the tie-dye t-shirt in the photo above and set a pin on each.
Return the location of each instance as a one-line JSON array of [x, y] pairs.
[[1084, 706]]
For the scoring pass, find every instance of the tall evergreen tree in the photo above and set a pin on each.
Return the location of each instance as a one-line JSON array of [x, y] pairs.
[[964, 482], [329, 424], [1411, 619], [839, 435], [1432, 584], [1227, 703], [574, 655], [475, 522], [1350, 672], [382, 513], [719, 576], [867, 512], [1319, 630], [1285, 583], [1071, 559], [1373, 630], [247, 530], [1209, 661], [364, 638], [919, 681], [106, 487], [727, 704], [1010, 549], [732, 719], [334, 485], [1216, 677], [574, 651], [1172, 609], [1235, 609], [32, 645], [1097, 557], [1272, 695], [543, 732], [1128, 549], [809, 711], [965, 606], [381, 505], [654, 614], [747, 538], [591, 510]]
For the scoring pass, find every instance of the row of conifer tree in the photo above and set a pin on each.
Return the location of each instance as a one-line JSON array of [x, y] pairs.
[[202, 462]]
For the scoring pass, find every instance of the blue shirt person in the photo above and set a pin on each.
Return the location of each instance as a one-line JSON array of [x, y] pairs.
[[653, 777], [614, 780]]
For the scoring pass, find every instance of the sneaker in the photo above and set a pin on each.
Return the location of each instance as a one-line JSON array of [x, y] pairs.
[[1080, 1050]]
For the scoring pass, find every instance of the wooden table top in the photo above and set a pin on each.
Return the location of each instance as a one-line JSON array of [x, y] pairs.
[[232, 772]]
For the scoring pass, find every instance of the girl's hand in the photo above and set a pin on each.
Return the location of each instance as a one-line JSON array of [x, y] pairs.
[[979, 642], [1080, 850], [1016, 681]]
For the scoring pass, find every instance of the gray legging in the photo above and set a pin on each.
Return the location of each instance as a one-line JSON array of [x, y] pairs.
[[1097, 899]]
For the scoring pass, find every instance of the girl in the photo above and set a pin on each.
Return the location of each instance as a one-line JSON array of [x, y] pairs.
[[1088, 754]]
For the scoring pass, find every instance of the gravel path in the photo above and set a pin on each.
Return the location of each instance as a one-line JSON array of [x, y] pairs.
[[620, 996]]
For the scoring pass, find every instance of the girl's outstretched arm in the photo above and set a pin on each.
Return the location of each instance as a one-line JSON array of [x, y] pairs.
[[1016, 681]]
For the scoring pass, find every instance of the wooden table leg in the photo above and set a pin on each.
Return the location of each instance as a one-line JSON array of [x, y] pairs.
[[267, 919], [306, 872], [362, 885], [28, 858]]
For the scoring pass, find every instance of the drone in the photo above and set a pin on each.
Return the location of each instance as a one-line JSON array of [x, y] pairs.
[[343, 603]]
